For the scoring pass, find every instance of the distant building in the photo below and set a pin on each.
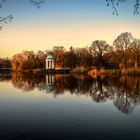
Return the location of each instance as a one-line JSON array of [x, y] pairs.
[[50, 62]]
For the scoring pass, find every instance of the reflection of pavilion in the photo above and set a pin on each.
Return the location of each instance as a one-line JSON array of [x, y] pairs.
[[50, 82]]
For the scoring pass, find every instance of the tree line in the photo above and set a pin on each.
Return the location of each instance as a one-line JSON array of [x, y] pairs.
[[123, 54], [5, 63]]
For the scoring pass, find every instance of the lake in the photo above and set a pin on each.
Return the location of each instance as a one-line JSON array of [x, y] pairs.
[[69, 107]]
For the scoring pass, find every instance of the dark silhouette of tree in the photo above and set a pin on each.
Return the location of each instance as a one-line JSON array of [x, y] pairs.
[[110, 60], [5, 63], [98, 48], [135, 46], [84, 57], [37, 3], [137, 7], [70, 58], [122, 44], [7, 19], [78, 57], [115, 4]]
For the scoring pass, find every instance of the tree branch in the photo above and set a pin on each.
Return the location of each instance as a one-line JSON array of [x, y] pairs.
[[2, 2], [115, 4], [137, 7], [5, 20], [37, 3]]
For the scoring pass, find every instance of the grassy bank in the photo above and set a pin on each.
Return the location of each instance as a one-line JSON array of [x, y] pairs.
[[93, 71], [104, 72], [114, 72], [131, 71], [80, 70]]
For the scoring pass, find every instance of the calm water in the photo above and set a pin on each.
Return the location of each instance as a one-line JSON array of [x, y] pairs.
[[69, 107]]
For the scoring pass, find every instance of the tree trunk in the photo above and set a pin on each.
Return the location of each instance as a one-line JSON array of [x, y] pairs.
[[136, 61]]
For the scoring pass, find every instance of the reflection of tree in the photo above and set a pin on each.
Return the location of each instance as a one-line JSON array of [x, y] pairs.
[[128, 94], [23, 82], [123, 103], [124, 91], [122, 100], [79, 84], [99, 93], [59, 84]]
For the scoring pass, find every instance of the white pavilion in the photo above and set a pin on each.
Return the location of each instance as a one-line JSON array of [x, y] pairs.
[[49, 62]]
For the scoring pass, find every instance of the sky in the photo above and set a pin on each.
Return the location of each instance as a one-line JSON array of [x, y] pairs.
[[65, 23]]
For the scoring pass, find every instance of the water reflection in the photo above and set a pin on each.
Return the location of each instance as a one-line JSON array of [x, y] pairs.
[[124, 92]]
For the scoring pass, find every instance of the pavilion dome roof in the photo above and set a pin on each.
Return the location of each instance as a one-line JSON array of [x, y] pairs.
[[50, 57]]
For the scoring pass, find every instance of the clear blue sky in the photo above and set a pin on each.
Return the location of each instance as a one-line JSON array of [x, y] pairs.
[[63, 22]]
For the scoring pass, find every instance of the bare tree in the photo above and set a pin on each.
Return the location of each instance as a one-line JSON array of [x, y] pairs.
[[98, 48], [70, 58], [135, 46], [58, 53], [122, 43], [24, 60], [40, 57]]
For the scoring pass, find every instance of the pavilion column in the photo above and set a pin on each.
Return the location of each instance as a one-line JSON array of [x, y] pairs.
[[52, 64], [47, 64]]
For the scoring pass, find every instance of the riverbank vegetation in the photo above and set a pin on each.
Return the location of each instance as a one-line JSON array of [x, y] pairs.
[[122, 57]]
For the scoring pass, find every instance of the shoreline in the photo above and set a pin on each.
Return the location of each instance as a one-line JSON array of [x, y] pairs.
[[93, 72]]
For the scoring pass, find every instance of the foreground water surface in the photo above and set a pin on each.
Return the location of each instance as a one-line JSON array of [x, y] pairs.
[[69, 107]]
